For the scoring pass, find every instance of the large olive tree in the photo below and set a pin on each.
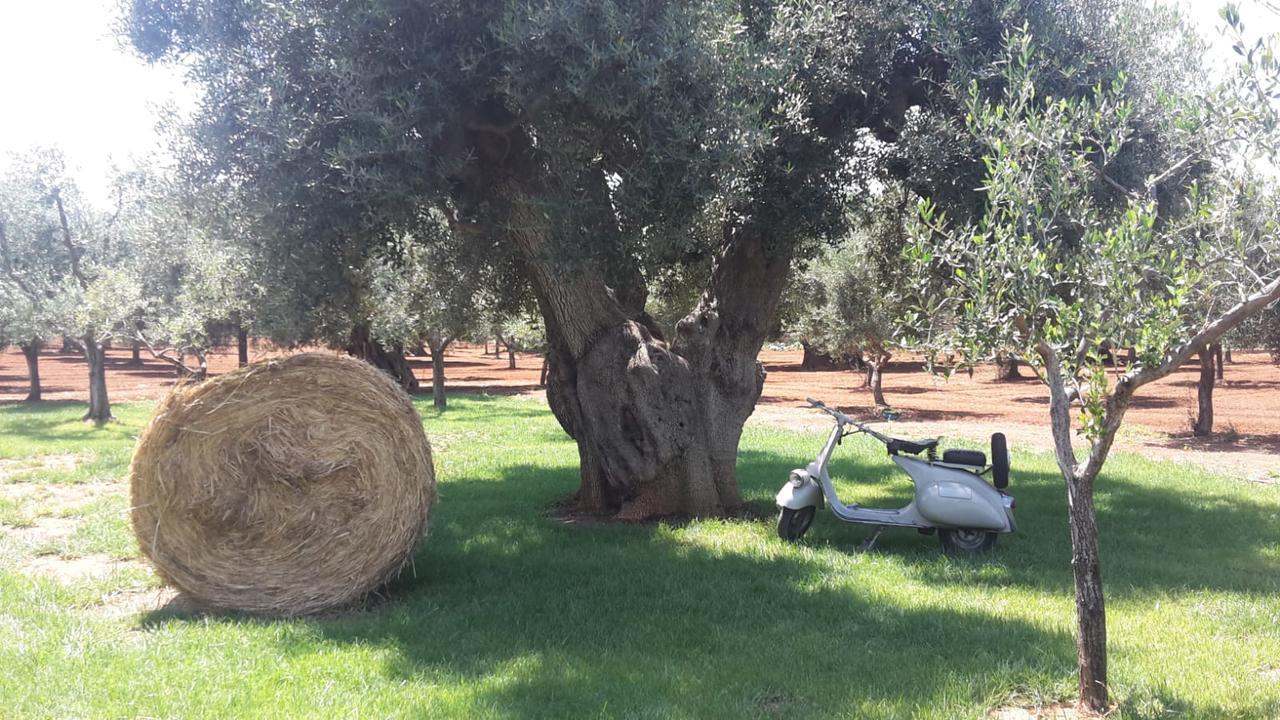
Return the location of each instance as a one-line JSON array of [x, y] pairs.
[[596, 146]]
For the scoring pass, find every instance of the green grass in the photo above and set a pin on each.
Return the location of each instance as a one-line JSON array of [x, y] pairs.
[[515, 614]]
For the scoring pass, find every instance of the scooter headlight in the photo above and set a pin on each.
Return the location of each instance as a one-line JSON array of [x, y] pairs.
[[798, 478]]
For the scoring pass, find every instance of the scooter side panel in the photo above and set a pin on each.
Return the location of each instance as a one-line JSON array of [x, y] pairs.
[[955, 498]]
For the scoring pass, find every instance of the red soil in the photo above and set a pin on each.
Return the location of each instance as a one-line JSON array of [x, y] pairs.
[[1247, 402]]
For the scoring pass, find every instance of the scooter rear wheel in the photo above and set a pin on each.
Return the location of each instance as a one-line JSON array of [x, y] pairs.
[[966, 542], [792, 524]]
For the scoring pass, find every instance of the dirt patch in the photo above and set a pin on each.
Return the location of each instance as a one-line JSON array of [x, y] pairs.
[[1046, 712], [59, 498], [127, 603], [69, 570], [44, 530], [64, 462], [46, 509]]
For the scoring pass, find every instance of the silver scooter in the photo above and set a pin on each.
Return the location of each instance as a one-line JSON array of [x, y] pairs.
[[951, 497]]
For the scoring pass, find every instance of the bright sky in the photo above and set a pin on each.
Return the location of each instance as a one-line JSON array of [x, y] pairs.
[[65, 80]]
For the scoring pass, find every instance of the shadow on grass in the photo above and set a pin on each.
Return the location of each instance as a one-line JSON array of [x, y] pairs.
[[528, 616]]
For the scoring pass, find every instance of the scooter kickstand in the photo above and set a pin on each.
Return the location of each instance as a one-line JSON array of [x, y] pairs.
[[870, 542]]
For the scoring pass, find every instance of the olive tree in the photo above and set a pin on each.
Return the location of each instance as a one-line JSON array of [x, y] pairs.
[[593, 141], [65, 257], [599, 145], [1067, 259], [420, 295]]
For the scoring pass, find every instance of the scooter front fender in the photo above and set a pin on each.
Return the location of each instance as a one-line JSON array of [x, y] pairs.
[[795, 498]]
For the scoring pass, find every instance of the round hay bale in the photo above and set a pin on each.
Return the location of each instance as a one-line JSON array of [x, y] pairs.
[[285, 488]]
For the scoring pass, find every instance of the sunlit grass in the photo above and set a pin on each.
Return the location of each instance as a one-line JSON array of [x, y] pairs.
[[514, 613]]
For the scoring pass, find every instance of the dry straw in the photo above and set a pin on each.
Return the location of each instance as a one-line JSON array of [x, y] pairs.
[[285, 488]]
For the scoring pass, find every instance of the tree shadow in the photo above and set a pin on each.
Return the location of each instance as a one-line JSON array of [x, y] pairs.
[[1225, 442], [542, 618], [646, 622]]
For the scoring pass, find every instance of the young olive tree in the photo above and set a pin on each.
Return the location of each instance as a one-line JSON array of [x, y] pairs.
[[1066, 260]]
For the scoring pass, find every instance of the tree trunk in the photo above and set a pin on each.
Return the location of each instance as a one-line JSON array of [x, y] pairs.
[[1131, 358], [242, 346], [657, 424], [876, 365], [96, 356], [31, 351], [1227, 356], [438, 347], [1217, 359], [68, 345], [1086, 567], [1091, 616], [389, 360], [511, 358], [815, 359], [1204, 391], [136, 359], [201, 373], [542, 375], [1007, 368]]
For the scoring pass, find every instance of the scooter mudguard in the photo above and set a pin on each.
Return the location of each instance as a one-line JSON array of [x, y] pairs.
[[947, 497], [796, 498]]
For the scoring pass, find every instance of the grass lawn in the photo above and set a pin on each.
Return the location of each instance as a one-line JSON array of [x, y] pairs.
[[516, 614]]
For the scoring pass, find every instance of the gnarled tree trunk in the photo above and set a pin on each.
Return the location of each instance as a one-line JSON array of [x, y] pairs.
[[816, 359], [1218, 360], [657, 423], [135, 359], [242, 346], [1091, 614], [31, 351], [1007, 368], [1086, 564], [389, 360], [1204, 393]]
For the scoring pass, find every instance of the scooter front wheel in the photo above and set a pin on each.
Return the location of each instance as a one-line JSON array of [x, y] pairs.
[[966, 542], [794, 523]]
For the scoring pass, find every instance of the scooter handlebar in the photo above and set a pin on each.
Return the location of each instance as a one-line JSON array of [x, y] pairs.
[[846, 420]]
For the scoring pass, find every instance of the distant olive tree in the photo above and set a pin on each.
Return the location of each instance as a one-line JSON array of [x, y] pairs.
[[65, 257], [420, 294]]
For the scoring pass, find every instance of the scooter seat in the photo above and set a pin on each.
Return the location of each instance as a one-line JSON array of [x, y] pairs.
[[965, 457], [896, 446]]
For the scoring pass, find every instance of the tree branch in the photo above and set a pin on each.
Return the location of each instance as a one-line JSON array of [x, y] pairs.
[[1209, 335], [9, 269], [72, 250]]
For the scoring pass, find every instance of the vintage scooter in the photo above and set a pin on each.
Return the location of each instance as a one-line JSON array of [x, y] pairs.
[[952, 498]]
